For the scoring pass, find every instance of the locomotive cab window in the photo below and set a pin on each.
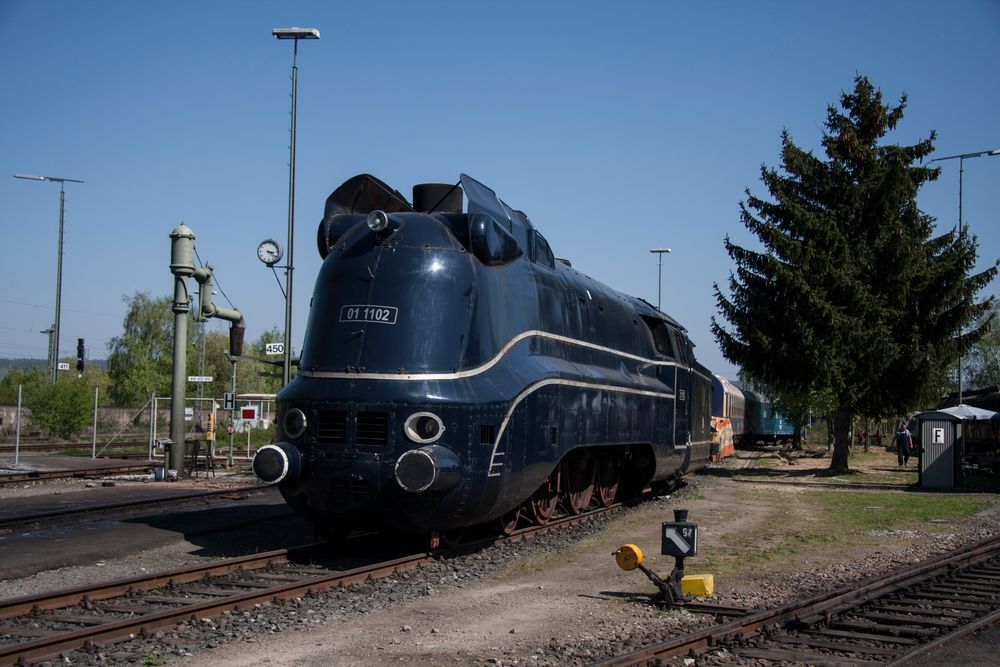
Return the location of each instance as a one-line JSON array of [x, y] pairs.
[[543, 253], [661, 337]]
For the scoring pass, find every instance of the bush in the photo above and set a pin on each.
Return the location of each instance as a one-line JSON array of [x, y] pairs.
[[62, 409]]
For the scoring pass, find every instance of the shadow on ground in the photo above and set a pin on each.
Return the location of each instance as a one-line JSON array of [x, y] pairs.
[[221, 532]]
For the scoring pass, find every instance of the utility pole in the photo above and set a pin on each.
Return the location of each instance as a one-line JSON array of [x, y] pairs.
[[54, 365], [961, 228], [659, 273], [294, 34]]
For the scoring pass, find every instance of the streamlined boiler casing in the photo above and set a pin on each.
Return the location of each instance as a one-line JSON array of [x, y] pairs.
[[452, 367]]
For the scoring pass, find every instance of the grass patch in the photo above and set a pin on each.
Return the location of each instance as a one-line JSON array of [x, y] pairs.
[[853, 511], [820, 521], [813, 539]]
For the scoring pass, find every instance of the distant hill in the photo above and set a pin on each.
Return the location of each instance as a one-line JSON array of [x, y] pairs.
[[9, 364]]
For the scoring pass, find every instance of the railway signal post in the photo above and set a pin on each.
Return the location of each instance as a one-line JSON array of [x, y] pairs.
[[680, 540]]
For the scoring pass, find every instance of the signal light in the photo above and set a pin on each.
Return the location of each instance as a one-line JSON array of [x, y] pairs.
[[79, 355]]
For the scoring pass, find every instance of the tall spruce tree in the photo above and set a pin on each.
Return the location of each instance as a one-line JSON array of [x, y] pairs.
[[853, 296]]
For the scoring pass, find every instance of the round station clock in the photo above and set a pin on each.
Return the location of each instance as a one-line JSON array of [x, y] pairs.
[[269, 252]]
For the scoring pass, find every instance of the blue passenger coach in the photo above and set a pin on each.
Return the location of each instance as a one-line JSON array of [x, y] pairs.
[[454, 373], [764, 424]]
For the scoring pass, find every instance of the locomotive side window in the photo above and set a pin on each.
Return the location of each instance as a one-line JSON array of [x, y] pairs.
[[661, 337], [543, 253], [683, 353], [521, 235]]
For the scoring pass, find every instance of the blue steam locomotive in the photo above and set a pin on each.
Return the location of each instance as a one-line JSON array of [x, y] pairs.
[[454, 373]]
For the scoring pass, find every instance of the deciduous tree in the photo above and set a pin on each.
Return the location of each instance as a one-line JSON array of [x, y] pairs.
[[140, 358]]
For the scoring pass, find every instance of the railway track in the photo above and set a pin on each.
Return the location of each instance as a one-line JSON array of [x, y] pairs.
[[127, 507], [67, 447], [41, 627], [96, 471], [55, 448], [884, 620]]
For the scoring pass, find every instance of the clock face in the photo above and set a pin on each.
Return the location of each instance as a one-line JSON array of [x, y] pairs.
[[269, 252]]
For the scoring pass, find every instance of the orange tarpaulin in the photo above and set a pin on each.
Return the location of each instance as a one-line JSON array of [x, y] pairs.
[[722, 438]]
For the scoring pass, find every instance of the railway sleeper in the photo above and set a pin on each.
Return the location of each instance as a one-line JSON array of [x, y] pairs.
[[963, 594], [899, 619], [889, 630], [816, 642], [976, 580], [976, 587], [848, 634], [135, 610], [210, 591], [28, 633], [925, 611], [76, 619], [931, 598], [176, 601], [797, 657]]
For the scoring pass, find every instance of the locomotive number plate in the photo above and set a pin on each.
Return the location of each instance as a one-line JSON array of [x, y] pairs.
[[376, 314]]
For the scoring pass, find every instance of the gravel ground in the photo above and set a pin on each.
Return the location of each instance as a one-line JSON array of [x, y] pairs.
[[553, 600]]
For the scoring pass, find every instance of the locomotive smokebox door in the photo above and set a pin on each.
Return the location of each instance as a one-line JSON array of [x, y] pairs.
[[679, 539]]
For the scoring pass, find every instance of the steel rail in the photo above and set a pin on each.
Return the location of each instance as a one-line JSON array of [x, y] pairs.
[[40, 475], [811, 609], [123, 629], [8, 448], [6, 523], [142, 625]]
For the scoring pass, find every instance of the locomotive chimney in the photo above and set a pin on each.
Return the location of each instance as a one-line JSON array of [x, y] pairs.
[[437, 197]]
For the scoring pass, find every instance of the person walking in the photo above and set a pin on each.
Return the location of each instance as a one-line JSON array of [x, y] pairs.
[[903, 442]]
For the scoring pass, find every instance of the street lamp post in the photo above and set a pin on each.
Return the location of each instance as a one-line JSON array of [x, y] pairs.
[[961, 227], [659, 273], [294, 34], [54, 361]]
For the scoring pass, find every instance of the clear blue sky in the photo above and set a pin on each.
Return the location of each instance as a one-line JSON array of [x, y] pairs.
[[616, 127]]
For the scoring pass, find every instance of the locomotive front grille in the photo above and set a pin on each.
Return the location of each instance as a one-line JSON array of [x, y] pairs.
[[345, 488], [332, 427], [372, 428]]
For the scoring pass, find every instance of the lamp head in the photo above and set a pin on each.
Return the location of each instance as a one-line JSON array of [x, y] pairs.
[[295, 33]]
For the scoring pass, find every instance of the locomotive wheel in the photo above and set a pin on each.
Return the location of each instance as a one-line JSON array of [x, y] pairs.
[[543, 502], [608, 476], [508, 522], [446, 539], [578, 482]]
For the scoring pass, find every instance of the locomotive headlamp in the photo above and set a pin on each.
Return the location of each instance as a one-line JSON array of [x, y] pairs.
[[294, 423], [423, 427], [378, 221]]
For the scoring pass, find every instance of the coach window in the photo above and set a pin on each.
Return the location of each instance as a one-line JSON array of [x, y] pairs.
[[543, 253], [661, 337]]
